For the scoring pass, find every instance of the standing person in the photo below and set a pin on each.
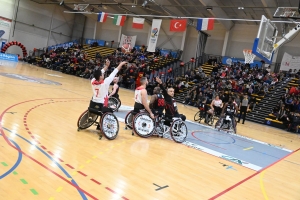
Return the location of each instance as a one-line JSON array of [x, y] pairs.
[[171, 106], [141, 97], [244, 106], [100, 86]]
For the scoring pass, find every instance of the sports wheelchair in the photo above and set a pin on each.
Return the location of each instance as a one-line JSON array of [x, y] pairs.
[[201, 114], [109, 124], [226, 124], [114, 103], [144, 126]]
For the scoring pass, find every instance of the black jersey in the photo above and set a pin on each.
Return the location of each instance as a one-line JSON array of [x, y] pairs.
[[159, 103], [230, 109]]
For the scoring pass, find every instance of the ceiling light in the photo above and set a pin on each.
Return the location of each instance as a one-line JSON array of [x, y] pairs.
[[104, 7], [61, 3], [241, 8], [209, 8], [133, 6]]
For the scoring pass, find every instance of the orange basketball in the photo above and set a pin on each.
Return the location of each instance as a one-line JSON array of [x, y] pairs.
[[126, 48]]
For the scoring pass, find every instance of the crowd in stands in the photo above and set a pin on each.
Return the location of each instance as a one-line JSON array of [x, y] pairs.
[[288, 107], [236, 80]]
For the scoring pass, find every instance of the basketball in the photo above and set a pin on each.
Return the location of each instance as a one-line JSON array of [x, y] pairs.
[[126, 48]]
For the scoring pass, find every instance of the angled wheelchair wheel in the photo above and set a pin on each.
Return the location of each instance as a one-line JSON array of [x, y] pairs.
[[143, 124], [119, 103], [113, 103], [218, 124], [210, 120], [197, 116], [128, 120], [109, 125], [178, 131], [86, 120]]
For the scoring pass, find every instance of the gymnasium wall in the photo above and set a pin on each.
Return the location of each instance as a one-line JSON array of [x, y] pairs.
[[33, 23]]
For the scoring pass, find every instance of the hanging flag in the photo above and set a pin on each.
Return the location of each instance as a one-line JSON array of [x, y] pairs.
[[178, 25], [138, 23], [119, 20], [154, 35], [102, 16], [205, 24]]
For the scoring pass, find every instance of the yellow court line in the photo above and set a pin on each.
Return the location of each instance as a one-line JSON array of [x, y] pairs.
[[262, 185], [51, 198], [248, 148], [81, 167], [94, 157], [59, 189], [88, 161]]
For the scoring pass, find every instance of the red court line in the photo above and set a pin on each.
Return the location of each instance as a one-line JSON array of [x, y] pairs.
[[43, 147], [83, 174], [249, 177], [33, 159], [95, 181], [193, 134], [70, 166]]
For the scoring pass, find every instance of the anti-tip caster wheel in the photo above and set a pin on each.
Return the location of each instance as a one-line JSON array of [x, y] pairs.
[[132, 133]]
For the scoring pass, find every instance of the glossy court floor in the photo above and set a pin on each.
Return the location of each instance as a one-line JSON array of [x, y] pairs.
[[42, 156]]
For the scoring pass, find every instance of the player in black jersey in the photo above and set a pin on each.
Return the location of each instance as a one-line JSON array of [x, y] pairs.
[[230, 109], [171, 109], [157, 102]]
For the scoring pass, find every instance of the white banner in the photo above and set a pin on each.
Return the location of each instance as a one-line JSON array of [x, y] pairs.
[[4, 29], [290, 62], [154, 35], [127, 40]]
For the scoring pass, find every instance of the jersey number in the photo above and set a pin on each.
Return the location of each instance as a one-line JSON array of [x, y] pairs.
[[97, 92], [161, 102]]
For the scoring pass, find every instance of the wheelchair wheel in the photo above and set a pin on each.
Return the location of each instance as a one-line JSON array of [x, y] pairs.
[[113, 103], [218, 124], [109, 125], [178, 131], [119, 103], [128, 120], [210, 120], [197, 116], [86, 120], [143, 124]]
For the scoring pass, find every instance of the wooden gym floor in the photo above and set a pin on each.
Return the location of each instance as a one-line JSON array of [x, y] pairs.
[[42, 156]]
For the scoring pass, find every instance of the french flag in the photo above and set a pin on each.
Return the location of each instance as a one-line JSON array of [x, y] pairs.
[[102, 16], [205, 24]]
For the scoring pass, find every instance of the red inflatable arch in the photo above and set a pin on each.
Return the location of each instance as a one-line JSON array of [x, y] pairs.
[[3, 50]]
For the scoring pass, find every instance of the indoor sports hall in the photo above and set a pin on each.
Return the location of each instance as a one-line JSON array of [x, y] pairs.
[[206, 50]]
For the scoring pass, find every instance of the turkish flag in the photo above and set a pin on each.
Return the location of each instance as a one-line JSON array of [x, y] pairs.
[[178, 25]]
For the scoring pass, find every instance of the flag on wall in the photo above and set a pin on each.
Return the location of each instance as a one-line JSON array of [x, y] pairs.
[[138, 23], [205, 24], [125, 39], [178, 25], [119, 20], [102, 16], [156, 23]]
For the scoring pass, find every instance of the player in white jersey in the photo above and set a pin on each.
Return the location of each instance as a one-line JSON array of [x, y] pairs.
[[100, 86], [141, 97]]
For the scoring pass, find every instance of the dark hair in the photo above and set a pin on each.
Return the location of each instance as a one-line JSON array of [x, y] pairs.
[[97, 74]]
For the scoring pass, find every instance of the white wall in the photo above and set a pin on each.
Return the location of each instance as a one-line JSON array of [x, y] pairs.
[[33, 24], [214, 44]]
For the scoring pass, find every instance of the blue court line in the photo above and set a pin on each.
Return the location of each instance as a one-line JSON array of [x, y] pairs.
[[60, 167], [17, 162]]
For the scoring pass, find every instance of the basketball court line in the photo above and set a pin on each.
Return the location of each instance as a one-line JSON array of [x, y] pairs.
[[80, 190], [251, 176], [18, 162]]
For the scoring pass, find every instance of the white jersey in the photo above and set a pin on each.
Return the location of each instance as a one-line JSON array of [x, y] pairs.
[[100, 88], [138, 94], [218, 103]]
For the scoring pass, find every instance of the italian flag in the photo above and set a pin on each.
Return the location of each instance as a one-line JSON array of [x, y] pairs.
[[119, 20], [138, 23]]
